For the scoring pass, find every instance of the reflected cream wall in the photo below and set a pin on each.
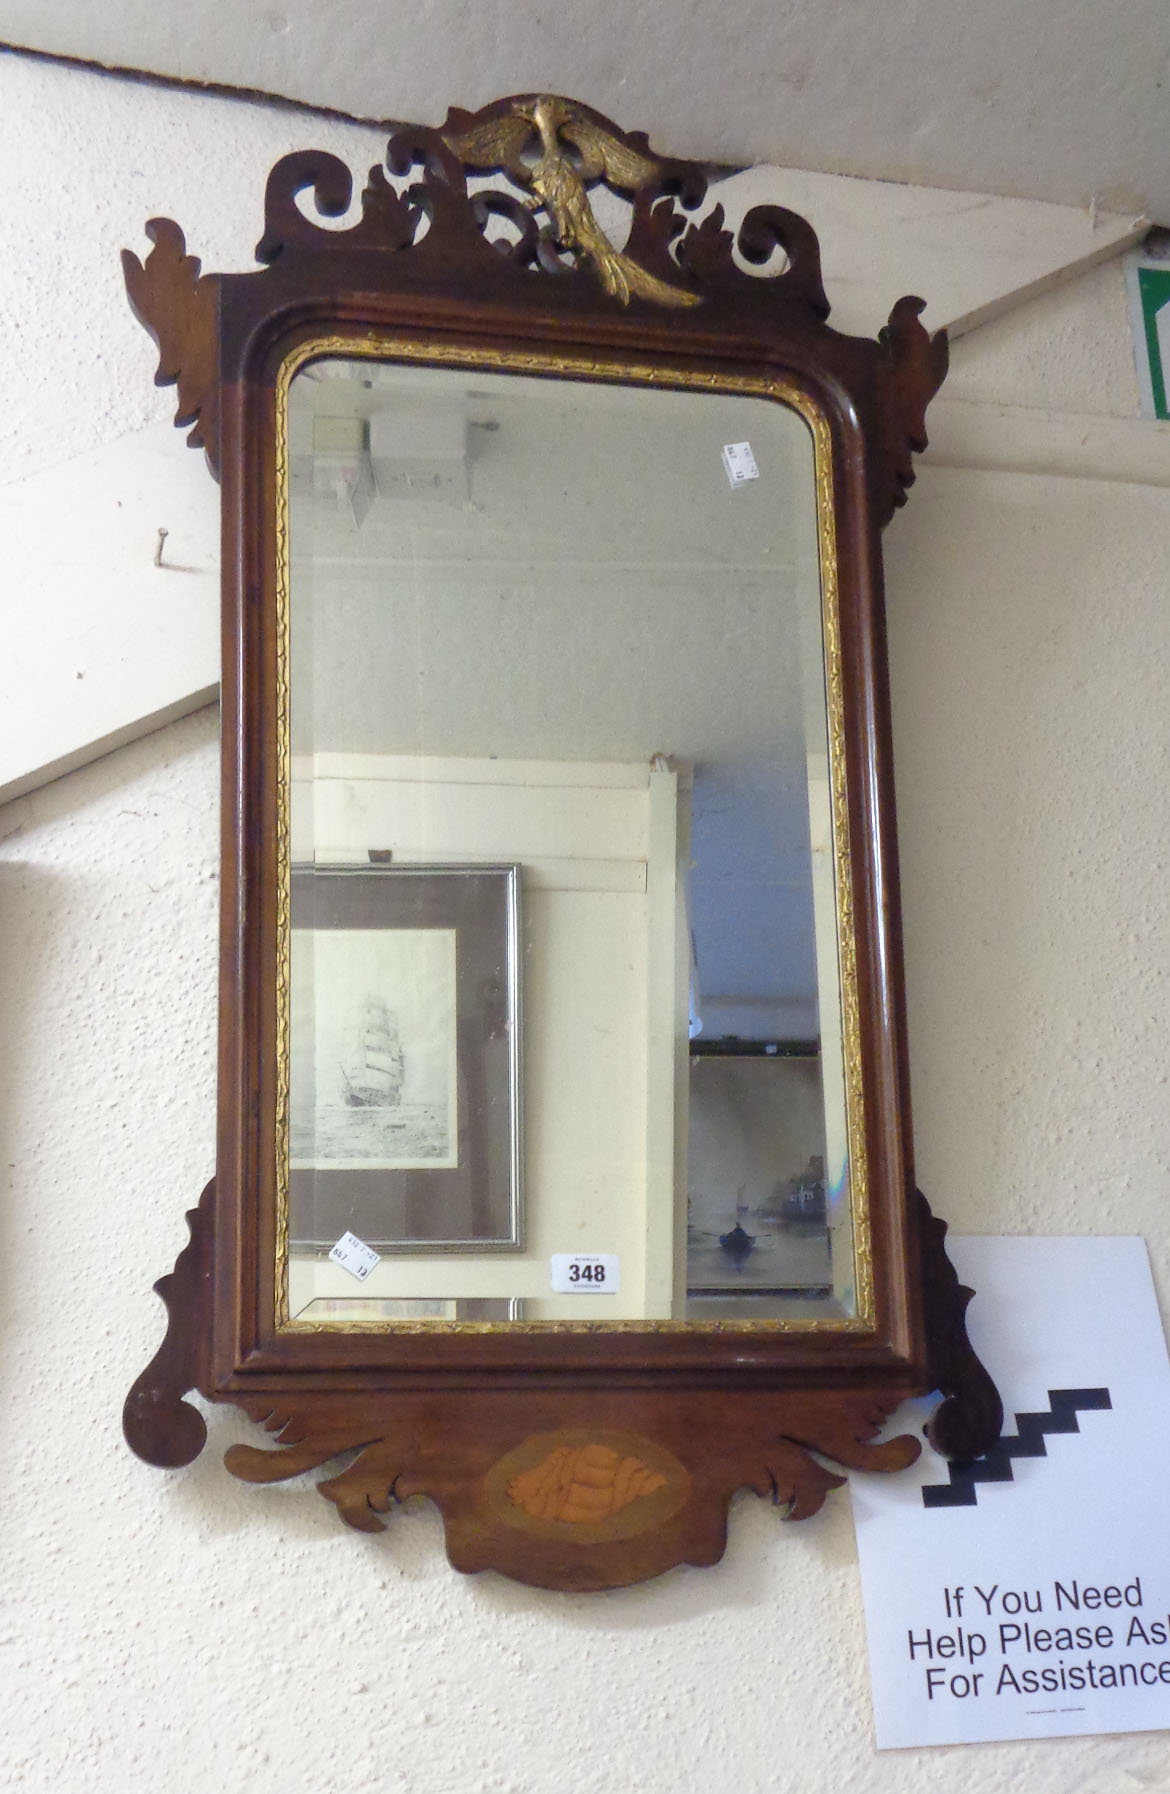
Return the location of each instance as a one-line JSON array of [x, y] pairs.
[[183, 1630], [598, 1027]]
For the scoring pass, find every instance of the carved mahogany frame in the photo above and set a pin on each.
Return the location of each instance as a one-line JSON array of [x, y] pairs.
[[566, 1456]]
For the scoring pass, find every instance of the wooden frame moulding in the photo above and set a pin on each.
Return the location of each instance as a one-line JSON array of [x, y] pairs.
[[566, 1455]]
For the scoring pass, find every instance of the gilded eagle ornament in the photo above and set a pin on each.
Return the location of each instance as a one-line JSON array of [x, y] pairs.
[[560, 183]]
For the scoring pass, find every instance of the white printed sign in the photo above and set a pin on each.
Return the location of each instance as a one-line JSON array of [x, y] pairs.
[[1035, 1603], [354, 1256], [585, 1273], [739, 463]]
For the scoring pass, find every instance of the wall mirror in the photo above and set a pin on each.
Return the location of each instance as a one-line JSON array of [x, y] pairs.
[[564, 1166]]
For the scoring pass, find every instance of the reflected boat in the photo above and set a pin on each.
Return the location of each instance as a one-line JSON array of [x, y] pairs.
[[738, 1244]]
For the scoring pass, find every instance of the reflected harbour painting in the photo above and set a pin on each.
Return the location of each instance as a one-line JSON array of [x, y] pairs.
[[757, 1221]]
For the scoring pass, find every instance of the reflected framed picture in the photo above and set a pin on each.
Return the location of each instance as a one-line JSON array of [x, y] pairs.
[[757, 1221], [404, 1058]]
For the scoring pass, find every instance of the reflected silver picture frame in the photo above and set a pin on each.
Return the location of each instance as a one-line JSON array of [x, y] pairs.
[[460, 925]]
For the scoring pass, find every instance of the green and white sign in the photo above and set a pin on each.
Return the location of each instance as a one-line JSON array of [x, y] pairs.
[[1149, 316]]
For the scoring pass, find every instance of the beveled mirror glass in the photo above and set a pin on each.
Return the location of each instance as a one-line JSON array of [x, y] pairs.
[[564, 1170], [536, 623]]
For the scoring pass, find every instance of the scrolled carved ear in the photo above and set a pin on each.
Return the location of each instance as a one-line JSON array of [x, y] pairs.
[[967, 1423], [177, 306], [708, 252], [160, 1427], [913, 366], [387, 221], [766, 228], [284, 222]]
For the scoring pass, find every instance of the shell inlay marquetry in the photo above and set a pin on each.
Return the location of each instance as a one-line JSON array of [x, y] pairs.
[[577, 1484]]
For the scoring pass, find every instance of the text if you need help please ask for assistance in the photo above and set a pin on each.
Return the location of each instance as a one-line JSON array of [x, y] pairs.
[[1029, 1597], [1063, 1645]]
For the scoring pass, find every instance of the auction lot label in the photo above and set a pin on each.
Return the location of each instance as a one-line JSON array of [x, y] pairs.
[[1032, 1599]]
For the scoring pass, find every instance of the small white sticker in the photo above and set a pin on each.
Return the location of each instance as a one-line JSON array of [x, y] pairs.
[[585, 1273], [740, 463], [354, 1256]]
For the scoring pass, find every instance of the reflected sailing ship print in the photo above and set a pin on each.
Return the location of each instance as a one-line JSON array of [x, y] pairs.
[[373, 1012], [372, 1122], [374, 1071]]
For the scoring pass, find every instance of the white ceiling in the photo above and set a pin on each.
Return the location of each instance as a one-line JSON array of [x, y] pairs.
[[1052, 99]]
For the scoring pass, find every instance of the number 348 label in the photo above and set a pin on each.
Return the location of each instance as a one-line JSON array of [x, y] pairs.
[[585, 1273]]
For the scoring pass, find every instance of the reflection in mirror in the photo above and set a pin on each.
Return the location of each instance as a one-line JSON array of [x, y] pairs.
[[564, 964]]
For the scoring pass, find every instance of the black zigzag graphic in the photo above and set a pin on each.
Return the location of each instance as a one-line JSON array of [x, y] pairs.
[[1026, 1442]]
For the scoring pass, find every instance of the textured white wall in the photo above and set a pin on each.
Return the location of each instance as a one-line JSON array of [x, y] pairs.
[[183, 1631]]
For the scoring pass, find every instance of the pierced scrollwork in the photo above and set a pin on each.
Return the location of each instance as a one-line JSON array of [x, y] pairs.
[[553, 150], [630, 1505], [419, 209]]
